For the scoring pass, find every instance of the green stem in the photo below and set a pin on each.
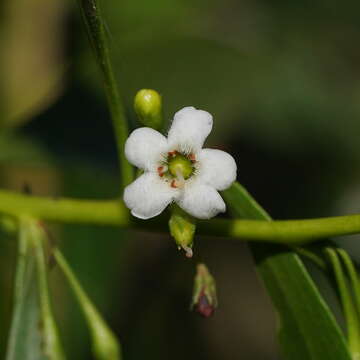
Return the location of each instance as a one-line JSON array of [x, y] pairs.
[[114, 212], [108, 212], [295, 232], [96, 31]]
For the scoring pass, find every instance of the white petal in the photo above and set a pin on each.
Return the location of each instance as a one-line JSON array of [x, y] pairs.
[[189, 129], [201, 201], [144, 146], [148, 196], [216, 168]]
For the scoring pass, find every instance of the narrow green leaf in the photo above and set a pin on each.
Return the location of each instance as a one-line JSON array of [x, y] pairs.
[[351, 317], [354, 281], [51, 341], [312, 255], [33, 334], [354, 278], [308, 329], [105, 345], [96, 31], [25, 339]]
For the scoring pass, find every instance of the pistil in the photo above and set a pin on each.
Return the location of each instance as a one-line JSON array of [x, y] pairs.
[[180, 166], [177, 168]]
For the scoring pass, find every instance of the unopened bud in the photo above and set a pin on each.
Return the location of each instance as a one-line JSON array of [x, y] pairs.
[[148, 107], [182, 229], [204, 299]]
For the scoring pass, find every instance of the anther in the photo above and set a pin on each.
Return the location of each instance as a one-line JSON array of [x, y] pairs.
[[192, 158], [172, 153]]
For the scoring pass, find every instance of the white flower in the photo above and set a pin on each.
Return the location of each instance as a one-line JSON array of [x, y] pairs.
[[178, 169]]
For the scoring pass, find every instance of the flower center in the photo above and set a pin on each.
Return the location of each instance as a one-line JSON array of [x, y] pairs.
[[176, 168], [180, 166]]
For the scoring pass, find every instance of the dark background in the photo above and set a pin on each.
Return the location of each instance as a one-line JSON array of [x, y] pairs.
[[282, 81]]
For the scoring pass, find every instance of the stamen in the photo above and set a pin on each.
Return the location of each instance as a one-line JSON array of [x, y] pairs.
[[173, 184], [172, 153], [162, 170], [192, 157]]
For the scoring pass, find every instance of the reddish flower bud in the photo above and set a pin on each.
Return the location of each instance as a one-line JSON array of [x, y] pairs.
[[204, 294]]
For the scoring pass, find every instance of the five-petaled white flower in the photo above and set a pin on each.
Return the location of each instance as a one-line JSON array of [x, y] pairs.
[[178, 169]]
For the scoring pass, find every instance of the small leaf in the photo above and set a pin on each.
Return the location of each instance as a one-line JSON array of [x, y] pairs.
[[308, 329]]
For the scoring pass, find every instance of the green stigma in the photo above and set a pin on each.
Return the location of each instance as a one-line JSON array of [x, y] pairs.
[[180, 165]]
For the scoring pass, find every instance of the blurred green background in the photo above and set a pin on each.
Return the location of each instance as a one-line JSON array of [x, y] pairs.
[[282, 80]]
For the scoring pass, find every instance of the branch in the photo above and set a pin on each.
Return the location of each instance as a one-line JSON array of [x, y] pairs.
[[101, 212], [290, 232], [114, 212]]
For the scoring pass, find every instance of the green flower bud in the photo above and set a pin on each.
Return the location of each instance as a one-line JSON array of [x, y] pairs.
[[182, 229], [204, 299], [148, 107]]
